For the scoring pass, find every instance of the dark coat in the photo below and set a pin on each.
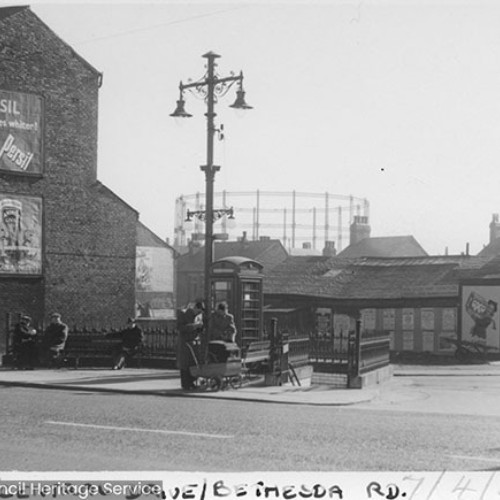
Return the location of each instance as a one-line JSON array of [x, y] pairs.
[[222, 327], [132, 337], [23, 333], [56, 335], [189, 329]]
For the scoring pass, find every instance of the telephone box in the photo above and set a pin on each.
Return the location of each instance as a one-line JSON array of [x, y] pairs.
[[238, 281]]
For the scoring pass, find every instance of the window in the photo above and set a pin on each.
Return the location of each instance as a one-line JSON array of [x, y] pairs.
[[251, 309]]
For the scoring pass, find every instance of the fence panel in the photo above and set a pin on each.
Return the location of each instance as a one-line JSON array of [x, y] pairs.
[[374, 351], [330, 353], [298, 354]]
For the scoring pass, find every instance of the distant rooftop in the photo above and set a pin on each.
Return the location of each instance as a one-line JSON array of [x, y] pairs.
[[388, 246]]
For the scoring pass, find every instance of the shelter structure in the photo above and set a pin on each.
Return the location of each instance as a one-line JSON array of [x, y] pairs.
[[415, 300]]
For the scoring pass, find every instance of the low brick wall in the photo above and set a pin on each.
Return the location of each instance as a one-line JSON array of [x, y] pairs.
[[370, 379], [338, 380]]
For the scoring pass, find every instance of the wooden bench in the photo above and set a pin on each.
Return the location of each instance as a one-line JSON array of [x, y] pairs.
[[255, 355], [90, 346]]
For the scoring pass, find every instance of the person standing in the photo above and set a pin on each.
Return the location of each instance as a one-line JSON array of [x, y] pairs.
[[190, 325], [25, 344], [55, 337], [132, 339], [221, 325]]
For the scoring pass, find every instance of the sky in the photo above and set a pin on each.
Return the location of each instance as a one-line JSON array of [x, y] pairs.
[[394, 101]]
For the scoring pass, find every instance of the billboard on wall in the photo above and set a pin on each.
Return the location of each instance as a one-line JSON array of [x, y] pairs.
[[480, 316], [154, 288], [20, 234], [20, 132]]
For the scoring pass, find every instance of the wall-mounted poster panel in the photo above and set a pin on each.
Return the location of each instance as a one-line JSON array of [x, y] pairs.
[[21, 132], [368, 318], [154, 283], [389, 319], [408, 318], [20, 234], [323, 320], [480, 314]]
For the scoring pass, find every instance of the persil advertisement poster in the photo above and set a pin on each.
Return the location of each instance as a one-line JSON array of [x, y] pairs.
[[20, 132], [480, 314]]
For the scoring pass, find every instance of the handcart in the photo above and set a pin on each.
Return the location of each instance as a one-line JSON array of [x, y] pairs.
[[222, 369], [470, 352]]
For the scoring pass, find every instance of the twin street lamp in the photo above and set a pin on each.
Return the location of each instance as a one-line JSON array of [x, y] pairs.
[[211, 86]]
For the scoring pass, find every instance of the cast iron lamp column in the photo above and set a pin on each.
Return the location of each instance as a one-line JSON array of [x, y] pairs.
[[210, 87]]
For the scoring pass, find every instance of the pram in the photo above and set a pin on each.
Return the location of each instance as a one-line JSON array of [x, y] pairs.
[[223, 367]]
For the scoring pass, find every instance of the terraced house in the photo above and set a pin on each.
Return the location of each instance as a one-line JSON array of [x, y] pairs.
[[67, 242]]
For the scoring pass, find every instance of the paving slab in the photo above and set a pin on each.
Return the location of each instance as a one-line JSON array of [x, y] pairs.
[[167, 383], [483, 369]]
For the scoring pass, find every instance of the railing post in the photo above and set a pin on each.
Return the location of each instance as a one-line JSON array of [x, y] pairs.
[[285, 349], [275, 370], [7, 332], [354, 355]]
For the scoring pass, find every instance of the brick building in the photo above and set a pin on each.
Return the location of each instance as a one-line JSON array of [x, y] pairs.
[[67, 242]]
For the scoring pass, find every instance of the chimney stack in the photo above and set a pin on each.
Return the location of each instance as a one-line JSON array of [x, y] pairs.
[[360, 229], [329, 250], [494, 228]]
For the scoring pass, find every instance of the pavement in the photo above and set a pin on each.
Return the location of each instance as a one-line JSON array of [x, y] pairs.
[[163, 382]]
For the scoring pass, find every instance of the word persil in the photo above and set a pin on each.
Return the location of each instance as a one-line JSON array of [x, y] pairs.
[[14, 153], [9, 106]]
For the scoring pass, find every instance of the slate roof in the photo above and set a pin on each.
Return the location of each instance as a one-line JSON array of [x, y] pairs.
[[389, 246], [106, 191], [6, 12], [491, 250], [9, 11], [371, 278], [255, 250], [146, 237]]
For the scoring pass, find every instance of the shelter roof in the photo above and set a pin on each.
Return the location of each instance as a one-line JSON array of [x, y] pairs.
[[370, 278]]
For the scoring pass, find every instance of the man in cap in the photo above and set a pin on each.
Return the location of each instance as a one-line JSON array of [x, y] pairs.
[[132, 338], [55, 337], [25, 344]]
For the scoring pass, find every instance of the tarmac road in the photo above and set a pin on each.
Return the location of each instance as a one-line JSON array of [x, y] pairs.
[[443, 394], [64, 430]]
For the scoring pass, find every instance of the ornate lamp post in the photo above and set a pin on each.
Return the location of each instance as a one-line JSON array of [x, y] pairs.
[[211, 86]]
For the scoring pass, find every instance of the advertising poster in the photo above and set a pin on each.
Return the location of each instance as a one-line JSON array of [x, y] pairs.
[[408, 317], [428, 341], [449, 319], [480, 315], [154, 283], [369, 319], [20, 234], [20, 132], [389, 319], [323, 320], [427, 319], [408, 341], [342, 324]]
